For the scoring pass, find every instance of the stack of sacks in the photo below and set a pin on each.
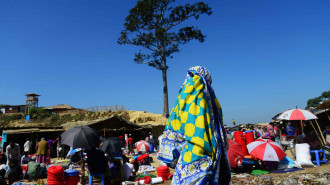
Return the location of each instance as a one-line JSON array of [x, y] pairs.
[[55, 175]]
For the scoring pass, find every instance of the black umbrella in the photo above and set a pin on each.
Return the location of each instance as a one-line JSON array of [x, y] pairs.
[[154, 141], [80, 137], [111, 145]]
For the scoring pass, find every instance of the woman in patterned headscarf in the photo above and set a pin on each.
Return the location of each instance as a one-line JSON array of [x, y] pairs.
[[194, 135]]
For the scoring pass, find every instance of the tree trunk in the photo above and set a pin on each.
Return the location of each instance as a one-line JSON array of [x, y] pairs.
[[165, 91]]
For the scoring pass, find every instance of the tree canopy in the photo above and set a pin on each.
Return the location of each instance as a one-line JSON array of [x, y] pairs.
[[314, 102], [154, 26]]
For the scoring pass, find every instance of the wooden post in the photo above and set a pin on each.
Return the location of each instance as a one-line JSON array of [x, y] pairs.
[[317, 133], [302, 127], [296, 133], [320, 131]]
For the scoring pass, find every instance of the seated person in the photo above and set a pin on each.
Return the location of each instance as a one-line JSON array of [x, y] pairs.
[[75, 158], [290, 132], [312, 139], [96, 161], [33, 168], [326, 135], [128, 169], [6, 168], [25, 158], [43, 171], [116, 171], [15, 172]]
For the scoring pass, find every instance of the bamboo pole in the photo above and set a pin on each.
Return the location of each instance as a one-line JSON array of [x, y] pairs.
[[317, 133], [320, 131]]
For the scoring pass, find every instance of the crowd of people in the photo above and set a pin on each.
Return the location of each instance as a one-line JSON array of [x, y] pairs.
[[15, 166]]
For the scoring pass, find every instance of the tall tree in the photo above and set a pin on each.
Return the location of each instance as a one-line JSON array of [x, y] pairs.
[[154, 25]]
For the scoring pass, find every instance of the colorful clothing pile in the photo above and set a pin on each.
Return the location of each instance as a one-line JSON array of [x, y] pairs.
[[194, 134]]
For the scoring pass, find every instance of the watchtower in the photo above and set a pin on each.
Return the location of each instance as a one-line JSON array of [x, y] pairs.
[[31, 102]]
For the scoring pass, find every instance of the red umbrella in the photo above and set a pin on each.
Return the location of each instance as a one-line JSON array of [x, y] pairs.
[[266, 150], [297, 114], [235, 153], [142, 146]]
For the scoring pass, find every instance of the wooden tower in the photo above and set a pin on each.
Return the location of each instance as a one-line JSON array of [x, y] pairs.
[[31, 102]]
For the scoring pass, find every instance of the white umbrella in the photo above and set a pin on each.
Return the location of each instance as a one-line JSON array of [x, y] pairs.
[[297, 114], [266, 150]]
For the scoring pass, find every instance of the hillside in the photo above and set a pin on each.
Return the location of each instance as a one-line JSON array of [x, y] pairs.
[[55, 120]]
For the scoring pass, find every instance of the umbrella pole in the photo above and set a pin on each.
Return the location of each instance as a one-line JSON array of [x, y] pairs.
[[82, 168], [316, 133], [296, 133], [320, 131]]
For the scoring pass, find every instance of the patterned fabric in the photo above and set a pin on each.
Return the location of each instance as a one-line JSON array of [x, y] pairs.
[[194, 134], [269, 134]]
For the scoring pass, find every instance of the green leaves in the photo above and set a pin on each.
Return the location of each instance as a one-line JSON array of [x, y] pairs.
[[149, 26], [326, 95], [314, 102]]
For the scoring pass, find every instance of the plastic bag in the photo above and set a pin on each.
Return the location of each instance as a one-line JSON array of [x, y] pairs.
[[287, 162], [303, 155]]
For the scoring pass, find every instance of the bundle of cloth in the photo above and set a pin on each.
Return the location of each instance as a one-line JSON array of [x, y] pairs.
[[194, 136]]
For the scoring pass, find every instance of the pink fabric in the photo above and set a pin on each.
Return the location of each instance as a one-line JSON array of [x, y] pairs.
[[42, 158], [48, 158]]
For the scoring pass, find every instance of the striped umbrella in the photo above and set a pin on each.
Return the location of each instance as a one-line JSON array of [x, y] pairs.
[[266, 150], [142, 146], [297, 114]]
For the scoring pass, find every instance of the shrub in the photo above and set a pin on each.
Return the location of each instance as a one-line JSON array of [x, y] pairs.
[[6, 118]]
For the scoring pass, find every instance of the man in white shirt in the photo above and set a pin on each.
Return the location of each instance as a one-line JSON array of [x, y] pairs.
[[25, 158], [27, 145], [13, 151]]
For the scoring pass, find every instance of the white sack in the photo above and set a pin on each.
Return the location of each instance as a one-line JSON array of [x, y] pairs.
[[303, 156]]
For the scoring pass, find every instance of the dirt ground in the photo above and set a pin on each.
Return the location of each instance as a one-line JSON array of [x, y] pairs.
[[306, 175]]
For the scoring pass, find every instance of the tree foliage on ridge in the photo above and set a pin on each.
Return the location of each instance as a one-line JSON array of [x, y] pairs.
[[314, 102]]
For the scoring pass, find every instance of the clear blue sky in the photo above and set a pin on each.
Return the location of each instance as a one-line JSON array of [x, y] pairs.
[[264, 56]]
